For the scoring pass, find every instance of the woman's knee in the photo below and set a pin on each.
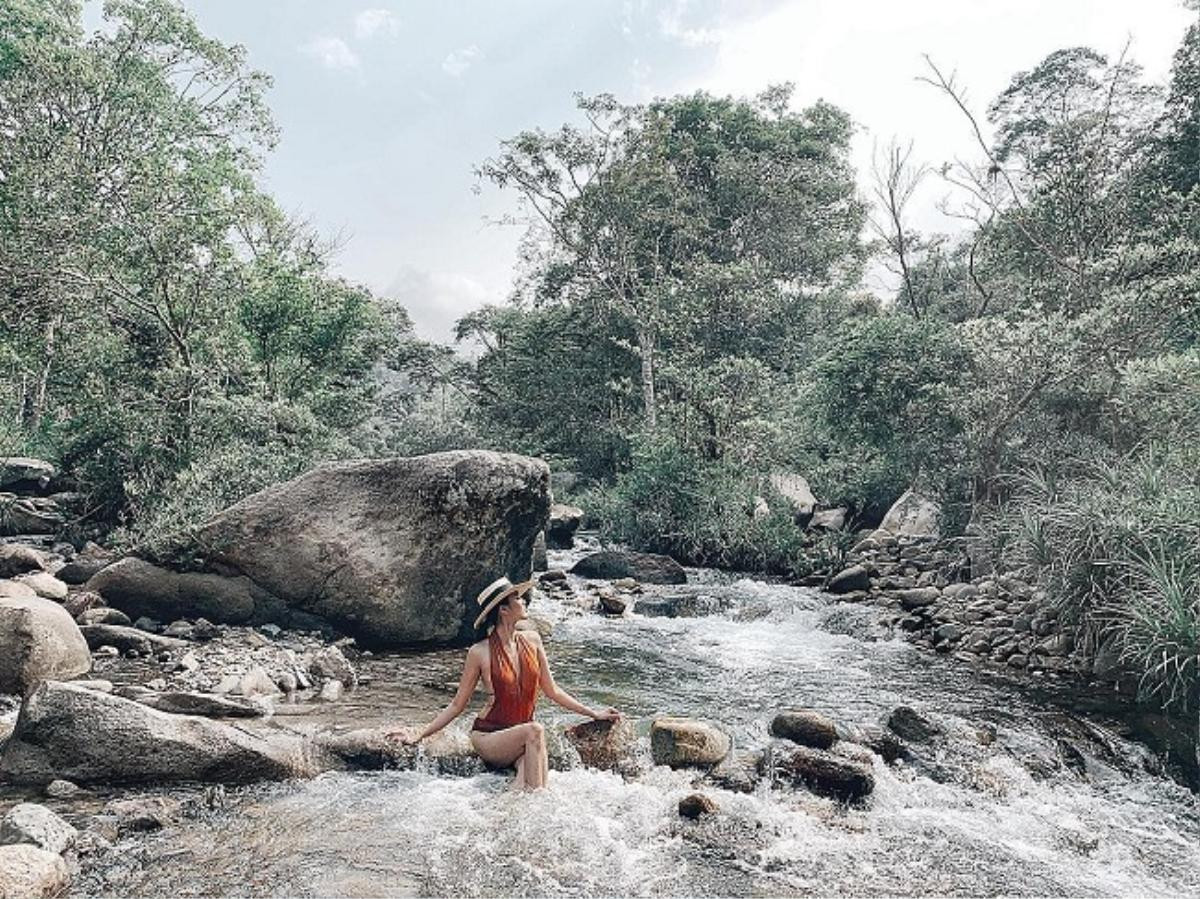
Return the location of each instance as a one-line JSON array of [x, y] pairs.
[[535, 732]]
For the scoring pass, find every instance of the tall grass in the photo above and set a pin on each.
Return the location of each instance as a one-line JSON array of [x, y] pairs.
[[1116, 542]]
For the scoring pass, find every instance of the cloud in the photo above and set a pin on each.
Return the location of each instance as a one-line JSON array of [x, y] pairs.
[[456, 63], [436, 300], [672, 25], [376, 22], [331, 52]]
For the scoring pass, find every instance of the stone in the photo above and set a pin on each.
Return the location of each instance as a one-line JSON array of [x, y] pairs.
[[850, 580], [607, 745], [649, 568], [24, 474], [16, 559], [142, 815], [187, 663], [129, 638], [286, 682], [950, 633], [81, 570], [148, 624], [795, 489], [331, 664], [38, 641], [81, 600], [681, 605], [822, 772], [103, 615], [10, 589], [695, 805], [828, 520], [64, 731], [918, 597], [561, 754], [206, 705], [392, 551], [541, 561], [27, 872], [97, 684], [63, 789], [738, 772], [806, 727], [366, 749], [256, 682], [28, 822], [564, 522], [614, 604], [180, 630], [912, 516], [909, 724], [555, 576], [684, 742], [331, 690], [878, 740], [28, 515]]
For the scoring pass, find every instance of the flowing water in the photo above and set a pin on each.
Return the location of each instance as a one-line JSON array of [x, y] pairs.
[[977, 817]]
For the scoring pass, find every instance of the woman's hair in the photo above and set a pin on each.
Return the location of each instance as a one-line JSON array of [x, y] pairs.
[[493, 617]]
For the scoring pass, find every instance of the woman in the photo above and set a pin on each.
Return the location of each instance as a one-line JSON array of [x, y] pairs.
[[512, 664]]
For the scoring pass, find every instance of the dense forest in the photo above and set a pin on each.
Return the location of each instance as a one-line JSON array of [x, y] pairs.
[[688, 316]]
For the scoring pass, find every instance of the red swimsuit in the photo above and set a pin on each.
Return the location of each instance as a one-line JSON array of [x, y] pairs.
[[514, 698]]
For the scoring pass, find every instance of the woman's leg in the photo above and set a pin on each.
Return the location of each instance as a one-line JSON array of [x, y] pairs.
[[504, 747], [518, 782]]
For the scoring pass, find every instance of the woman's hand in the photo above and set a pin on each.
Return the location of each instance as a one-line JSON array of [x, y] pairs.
[[608, 714], [405, 736]]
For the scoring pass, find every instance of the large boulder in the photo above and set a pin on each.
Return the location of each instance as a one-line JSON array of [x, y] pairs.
[[649, 568], [28, 515], [38, 641], [18, 559], [683, 742], [27, 872], [564, 522], [67, 731], [44, 584], [139, 588], [392, 551]]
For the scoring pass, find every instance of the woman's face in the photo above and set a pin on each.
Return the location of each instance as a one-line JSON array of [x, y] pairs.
[[514, 609]]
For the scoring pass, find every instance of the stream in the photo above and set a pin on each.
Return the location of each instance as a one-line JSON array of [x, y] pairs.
[[993, 809]]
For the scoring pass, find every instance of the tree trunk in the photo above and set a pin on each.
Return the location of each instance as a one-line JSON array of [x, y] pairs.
[[649, 402], [38, 406]]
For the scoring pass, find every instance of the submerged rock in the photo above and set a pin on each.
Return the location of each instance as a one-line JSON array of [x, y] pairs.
[[28, 822], [684, 742], [739, 772], [909, 724], [27, 872], [822, 772], [649, 568], [695, 805], [64, 731], [38, 641]]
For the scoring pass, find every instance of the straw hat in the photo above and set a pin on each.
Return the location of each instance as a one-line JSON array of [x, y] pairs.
[[496, 592]]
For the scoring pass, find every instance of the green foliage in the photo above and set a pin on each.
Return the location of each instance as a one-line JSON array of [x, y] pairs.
[[703, 513]]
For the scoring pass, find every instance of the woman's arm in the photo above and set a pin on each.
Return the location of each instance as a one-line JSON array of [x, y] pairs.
[[466, 686], [561, 696]]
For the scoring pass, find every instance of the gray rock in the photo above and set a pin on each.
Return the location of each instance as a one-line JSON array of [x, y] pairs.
[[393, 551], [44, 584], [256, 682], [912, 516], [331, 664], [918, 597], [850, 580], [738, 772], [22, 473], [684, 742], [65, 731], [129, 638], [104, 615], [142, 815], [28, 515], [795, 489], [28, 822], [206, 705], [806, 727], [27, 872], [180, 630], [17, 559], [81, 601], [38, 641], [564, 522], [828, 520], [63, 789], [613, 603], [909, 724], [950, 633], [80, 570], [681, 605], [649, 568], [331, 690], [540, 560]]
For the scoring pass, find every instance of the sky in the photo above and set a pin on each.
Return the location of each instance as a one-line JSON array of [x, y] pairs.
[[386, 108]]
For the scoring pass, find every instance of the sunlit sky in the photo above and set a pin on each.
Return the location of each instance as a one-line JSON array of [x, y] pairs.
[[386, 107]]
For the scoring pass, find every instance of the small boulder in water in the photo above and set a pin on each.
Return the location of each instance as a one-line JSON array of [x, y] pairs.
[[823, 772], [649, 568], [909, 724], [28, 822], [738, 772], [695, 805], [684, 742], [331, 664], [614, 604], [607, 745], [806, 727]]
